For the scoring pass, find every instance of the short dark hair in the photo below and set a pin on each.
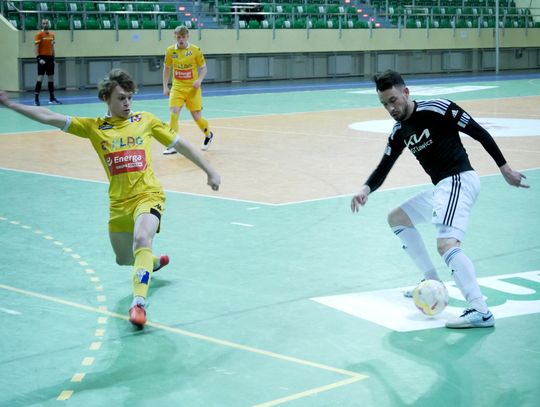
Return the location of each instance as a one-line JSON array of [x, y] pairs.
[[115, 77], [387, 80]]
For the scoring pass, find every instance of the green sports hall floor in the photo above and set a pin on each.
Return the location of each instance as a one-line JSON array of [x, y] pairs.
[[245, 317]]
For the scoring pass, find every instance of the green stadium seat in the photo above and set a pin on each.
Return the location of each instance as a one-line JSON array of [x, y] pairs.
[[253, 24], [59, 6], [170, 8], [116, 7], [149, 24], [92, 23], [29, 5], [30, 23], [123, 23], [300, 23]]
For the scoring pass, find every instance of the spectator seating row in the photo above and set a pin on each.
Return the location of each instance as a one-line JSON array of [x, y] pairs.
[[151, 14], [293, 15], [70, 14]]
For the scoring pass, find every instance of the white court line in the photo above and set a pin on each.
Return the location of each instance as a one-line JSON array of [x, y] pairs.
[[10, 311], [250, 201], [242, 224]]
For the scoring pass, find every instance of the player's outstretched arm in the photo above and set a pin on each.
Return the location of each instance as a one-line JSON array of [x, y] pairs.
[[360, 199], [36, 113], [187, 150], [514, 178]]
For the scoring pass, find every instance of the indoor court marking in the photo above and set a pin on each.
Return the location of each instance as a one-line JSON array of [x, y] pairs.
[[276, 294]]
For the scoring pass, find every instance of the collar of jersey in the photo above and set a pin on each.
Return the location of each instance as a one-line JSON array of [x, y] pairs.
[[177, 48], [110, 118]]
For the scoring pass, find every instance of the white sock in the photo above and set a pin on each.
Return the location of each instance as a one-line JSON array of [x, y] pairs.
[[416, 249], [465, 278], [138, 300]]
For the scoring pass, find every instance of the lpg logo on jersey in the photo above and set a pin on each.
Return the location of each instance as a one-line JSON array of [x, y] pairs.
[[121, 162], [121, 142], [135, 118], [189, 53]]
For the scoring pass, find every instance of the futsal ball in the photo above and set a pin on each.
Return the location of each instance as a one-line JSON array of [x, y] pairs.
[[430, 297]]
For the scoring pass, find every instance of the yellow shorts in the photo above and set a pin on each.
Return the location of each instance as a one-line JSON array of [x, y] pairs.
[[191, 97], [122, 214]]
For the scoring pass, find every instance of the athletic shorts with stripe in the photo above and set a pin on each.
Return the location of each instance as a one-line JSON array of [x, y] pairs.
[[447, 205]]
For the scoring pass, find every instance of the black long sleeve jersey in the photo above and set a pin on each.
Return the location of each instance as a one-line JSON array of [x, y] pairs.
[[432, 135]]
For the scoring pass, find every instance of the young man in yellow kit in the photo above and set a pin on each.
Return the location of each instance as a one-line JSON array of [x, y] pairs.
[[188, 66], [122, 139]]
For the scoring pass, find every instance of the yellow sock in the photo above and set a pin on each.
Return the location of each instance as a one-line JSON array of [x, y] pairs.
[[203, 125], [173, 122], [142, 271], [155, 262]]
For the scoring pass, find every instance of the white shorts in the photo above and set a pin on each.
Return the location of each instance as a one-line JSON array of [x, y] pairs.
[[447, 205]]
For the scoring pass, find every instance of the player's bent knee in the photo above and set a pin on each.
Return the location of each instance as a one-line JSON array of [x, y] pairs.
[[445, 244], [398, 217], [141, 241]]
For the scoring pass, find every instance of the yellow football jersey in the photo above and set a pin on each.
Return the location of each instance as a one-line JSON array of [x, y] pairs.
[[184, 64], [124, 148]]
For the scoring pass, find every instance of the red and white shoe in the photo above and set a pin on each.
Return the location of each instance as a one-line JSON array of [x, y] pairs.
[[163, 261], [137, 315]]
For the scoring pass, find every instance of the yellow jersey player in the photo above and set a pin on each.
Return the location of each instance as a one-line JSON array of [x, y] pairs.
[[122, 140], [188, 66]]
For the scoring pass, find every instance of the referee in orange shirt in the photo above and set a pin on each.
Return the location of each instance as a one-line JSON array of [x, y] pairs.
[[44, 42]]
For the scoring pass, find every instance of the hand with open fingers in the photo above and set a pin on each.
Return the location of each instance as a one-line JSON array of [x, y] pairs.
[[357, 201], [514, 178], [360, 198]]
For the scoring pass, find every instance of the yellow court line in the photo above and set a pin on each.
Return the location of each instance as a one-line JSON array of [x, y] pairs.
[[311, 392], [222, 342]]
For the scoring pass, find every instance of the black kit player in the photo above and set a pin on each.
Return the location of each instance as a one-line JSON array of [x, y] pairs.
[[430, 130]]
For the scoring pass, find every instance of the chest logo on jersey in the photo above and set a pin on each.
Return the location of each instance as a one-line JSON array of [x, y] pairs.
[[121, 162], [189, 53], [135, 118], [183, 74], [121, 142], [417, 143]]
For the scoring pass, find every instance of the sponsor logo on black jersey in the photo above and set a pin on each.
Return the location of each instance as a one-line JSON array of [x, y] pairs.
[[417, 143]]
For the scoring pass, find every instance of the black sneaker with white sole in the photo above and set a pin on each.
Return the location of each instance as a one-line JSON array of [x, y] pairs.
[[207, 141]]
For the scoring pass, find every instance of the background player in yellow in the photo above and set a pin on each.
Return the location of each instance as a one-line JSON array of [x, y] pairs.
[[188, 66], [122, 139]]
